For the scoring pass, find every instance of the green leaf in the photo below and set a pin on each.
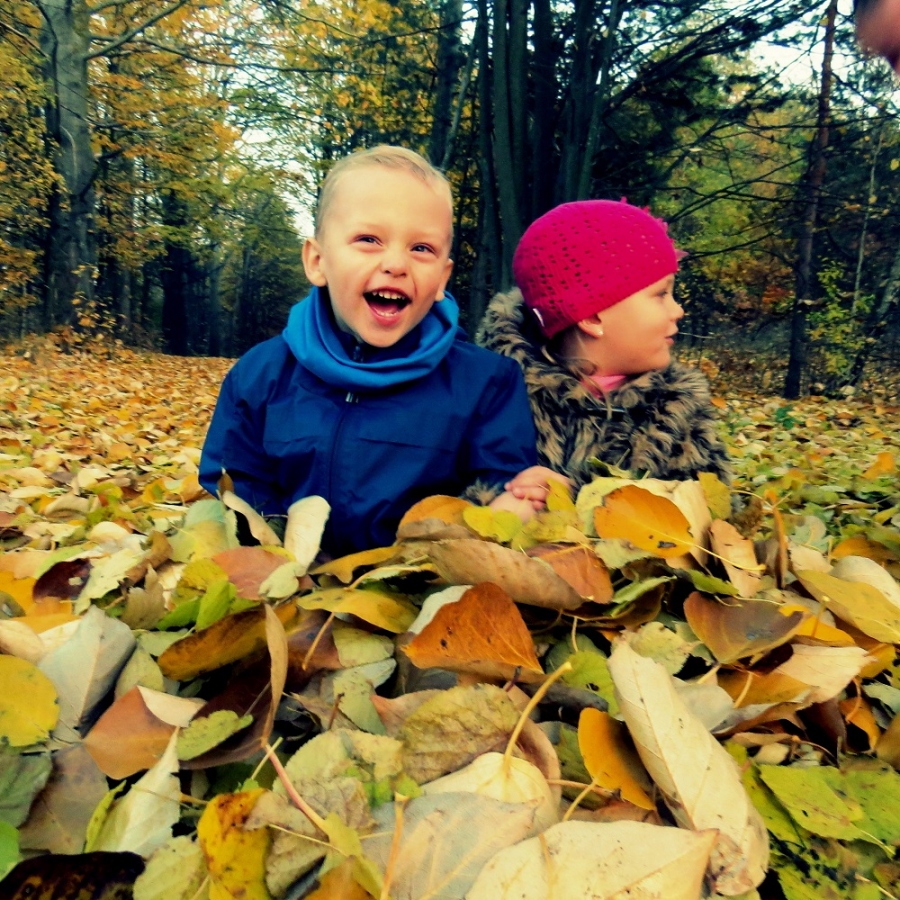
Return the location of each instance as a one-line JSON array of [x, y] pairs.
[[207, 732]]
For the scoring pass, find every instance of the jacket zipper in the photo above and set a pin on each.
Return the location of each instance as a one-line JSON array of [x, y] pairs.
[[349, 398]]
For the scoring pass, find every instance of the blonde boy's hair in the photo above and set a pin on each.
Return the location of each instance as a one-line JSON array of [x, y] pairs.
[[383, 155]]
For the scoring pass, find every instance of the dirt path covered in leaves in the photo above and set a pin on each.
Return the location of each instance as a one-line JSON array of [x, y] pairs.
[[188, 713]]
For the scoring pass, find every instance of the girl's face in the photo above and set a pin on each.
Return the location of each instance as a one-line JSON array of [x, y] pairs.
[[635, 335]]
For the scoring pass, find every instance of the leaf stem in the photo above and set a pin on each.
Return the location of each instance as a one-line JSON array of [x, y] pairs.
[[400, 802], [532, 703], [298, 801]]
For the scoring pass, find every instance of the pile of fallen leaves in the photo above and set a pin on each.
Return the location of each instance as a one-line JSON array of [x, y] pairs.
[[659, 689]]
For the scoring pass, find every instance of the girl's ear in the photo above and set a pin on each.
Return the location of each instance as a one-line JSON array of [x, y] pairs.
[[591, 326]]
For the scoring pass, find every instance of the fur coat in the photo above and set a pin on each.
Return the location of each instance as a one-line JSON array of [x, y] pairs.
[[660, 424]]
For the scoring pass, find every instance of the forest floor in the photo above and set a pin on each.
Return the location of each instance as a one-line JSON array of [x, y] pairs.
[[149, 412], [101, 448]]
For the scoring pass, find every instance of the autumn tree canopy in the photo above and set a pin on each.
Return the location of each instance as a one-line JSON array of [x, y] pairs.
[[145, 137]]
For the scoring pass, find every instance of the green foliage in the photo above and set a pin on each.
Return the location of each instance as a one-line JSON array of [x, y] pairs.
[[835, 327]]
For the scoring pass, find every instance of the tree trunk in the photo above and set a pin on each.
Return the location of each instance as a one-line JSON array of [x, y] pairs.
[[544, 161], [811, 191], [508, 86], [449, 62], [490, 208], [72, 259]]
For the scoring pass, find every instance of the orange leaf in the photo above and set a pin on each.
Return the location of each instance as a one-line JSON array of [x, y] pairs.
[[128, 738], [858, 712], [733, 631], [611, 759], [580, 567], [645, 520], [884, 464], [339, 883], [483, 634], [448, 509], [248, 567]]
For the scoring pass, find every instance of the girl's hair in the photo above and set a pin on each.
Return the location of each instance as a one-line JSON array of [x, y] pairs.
[[551, 348], [398, 158]]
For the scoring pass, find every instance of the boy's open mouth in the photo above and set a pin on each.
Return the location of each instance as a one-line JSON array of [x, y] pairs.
[[386, 304]]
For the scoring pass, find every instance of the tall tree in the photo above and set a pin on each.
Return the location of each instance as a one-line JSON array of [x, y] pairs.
[[811, 187]]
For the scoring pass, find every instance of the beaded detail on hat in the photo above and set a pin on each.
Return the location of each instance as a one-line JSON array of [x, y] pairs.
[[583, 257]]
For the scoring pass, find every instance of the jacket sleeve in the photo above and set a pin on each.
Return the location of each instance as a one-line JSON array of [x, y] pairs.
[[234, 444], [500, 441]]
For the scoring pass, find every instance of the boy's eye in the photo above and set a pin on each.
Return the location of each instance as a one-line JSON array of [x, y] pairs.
[[423, 248], [366, 238]]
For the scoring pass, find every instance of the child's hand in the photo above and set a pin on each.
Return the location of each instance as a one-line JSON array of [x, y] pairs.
[[509, 503], [533, 484]]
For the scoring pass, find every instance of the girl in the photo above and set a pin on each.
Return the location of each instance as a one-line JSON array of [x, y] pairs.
[[592, 325]]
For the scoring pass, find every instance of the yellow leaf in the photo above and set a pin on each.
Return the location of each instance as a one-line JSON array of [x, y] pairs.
[[856, 602], [500, 525], [611, 759], [390, 613], [645, 520], [28, 703], [718, 496], [236, 859], [884, 464], [344, 567]]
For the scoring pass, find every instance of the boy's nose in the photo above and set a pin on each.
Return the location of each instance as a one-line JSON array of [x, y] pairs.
[[393, 262]]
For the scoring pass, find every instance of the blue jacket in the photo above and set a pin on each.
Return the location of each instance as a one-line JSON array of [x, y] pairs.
[[282, 433]]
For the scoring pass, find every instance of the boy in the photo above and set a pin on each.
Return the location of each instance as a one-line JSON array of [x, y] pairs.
[[371, 397]]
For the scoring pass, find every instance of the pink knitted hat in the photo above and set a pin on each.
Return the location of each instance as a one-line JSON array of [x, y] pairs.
[[583, 257]]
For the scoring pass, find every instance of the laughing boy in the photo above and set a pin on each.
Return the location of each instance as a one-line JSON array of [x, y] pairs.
[[372, 397]]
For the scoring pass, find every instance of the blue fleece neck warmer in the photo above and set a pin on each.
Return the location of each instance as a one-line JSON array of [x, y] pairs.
[[320, 346]]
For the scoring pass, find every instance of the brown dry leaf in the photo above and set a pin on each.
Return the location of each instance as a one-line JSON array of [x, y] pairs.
[[737, 555], [224, 642], [580, 567], [698, 779], [737, 629], [603, 861], [610, 757], [531, 581], [483, 634], [645, 520]]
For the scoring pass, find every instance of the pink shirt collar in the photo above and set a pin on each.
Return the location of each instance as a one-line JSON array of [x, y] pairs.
[[599, 385]]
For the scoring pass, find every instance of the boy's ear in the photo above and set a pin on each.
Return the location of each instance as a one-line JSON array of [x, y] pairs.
[[448, 269], [312, 262], [591, 326]]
